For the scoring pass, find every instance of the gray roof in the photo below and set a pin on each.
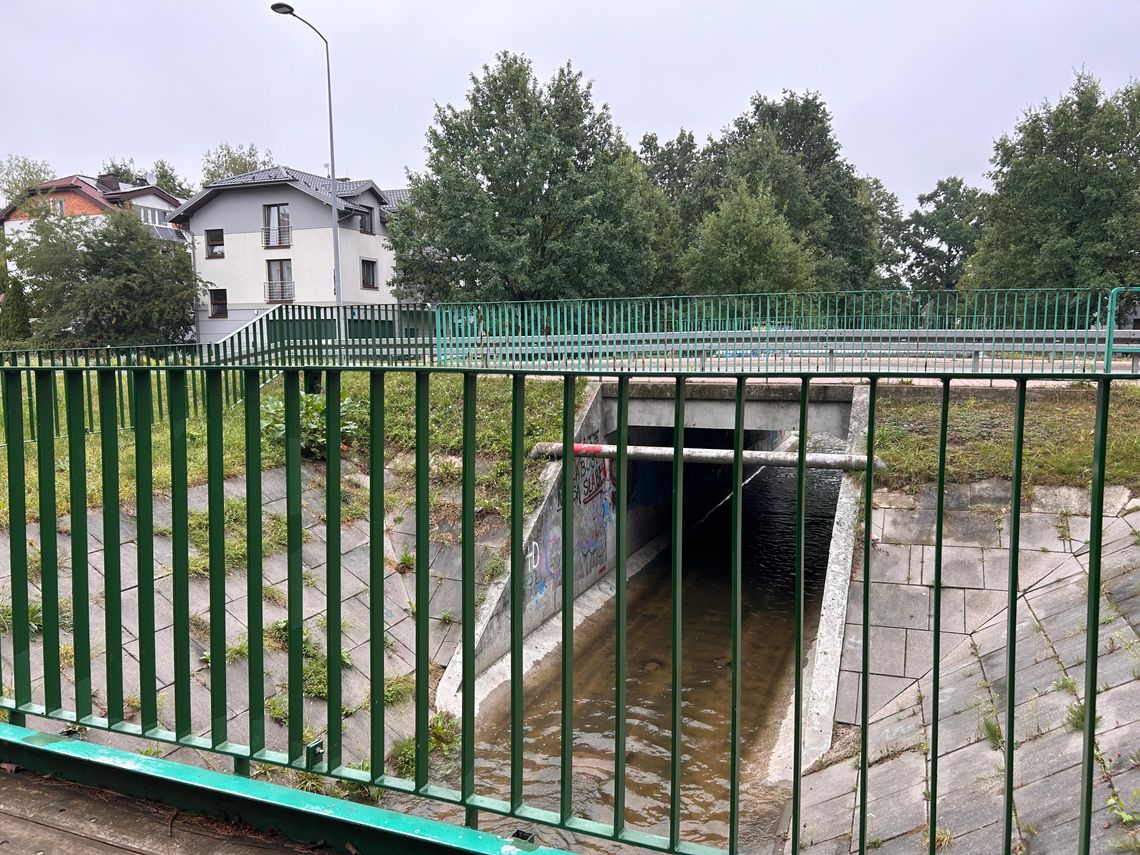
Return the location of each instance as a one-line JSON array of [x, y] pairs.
[[395, 198], [316, 186]]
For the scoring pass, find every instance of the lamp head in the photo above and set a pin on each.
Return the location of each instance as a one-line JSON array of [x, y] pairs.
[[282, 8]]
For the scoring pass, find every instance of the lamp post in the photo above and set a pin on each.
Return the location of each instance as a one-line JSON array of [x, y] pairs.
[[286, 9]]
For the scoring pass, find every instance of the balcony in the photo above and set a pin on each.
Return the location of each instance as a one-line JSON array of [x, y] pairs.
[[276, 236], [279, 292]]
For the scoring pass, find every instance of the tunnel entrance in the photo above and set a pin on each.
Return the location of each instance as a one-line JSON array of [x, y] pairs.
[[767, 661]]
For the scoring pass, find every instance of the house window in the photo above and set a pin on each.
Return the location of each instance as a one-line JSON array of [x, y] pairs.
[[219, 305], [366, 222], [275, 230], [279, 280], [55, 206], [368, 275], [215, 243], [151, 216]]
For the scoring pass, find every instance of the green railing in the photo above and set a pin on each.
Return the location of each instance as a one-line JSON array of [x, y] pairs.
[[134, 589], [994, 331]]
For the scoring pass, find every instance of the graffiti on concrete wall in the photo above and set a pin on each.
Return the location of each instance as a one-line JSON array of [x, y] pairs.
[[594, 491]]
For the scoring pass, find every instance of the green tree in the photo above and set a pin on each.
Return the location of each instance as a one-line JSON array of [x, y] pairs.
[[227, 160], [1065, 210], [941, 234], [890, 230], [530, 194], [787, 147], [164, 176], [746, 246], [18, 173], [105, 282], [14, 323]]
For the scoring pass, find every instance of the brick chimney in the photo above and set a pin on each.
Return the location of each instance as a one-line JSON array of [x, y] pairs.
[[110, 182]]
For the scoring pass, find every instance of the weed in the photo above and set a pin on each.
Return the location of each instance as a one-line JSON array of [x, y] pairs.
[[406, 562], [238, 650], [992, 733], [277, 708], [1075, 716], [398, 688], [411, 607], [200, 627], [309, 782], [403, 757], [323, 623], [1126, 810], [1067, 684], [274, 596], [309, 578], [153, 750], [67, 655], [446, 618]]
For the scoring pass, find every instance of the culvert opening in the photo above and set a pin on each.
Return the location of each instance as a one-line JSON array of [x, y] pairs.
[[766, 667]]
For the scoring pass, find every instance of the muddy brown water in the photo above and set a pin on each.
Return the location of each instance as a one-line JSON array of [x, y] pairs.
[[767, 648]]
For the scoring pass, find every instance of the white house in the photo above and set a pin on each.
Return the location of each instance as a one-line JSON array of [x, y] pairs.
[[265, 238]]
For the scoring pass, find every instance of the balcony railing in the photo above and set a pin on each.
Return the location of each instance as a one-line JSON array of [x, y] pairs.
[[275, 236], [279, 292]]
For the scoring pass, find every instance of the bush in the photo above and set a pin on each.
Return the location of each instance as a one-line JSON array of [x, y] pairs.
[[354, 423]]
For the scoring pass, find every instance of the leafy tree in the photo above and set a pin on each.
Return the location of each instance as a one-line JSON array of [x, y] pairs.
[[227, 160], [786, 147], [18, 173], [530, 194], [105, 282], [940, 235], [889, 231], [164, 176], [746, 246], [14, 323], [671, 166], [1065, 210]]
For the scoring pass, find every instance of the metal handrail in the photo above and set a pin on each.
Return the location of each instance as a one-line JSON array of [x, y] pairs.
[[276, 236]]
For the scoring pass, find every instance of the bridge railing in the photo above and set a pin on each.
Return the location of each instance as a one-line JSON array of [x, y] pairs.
[[1006, 330], [137, 599]]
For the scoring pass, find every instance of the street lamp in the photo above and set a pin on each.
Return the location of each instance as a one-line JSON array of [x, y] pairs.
[[286, 9]]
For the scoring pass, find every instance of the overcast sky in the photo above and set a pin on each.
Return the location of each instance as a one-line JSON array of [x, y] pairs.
[[918, 90]]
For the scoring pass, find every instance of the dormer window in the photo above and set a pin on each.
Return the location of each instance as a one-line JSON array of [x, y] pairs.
[[366, 222]]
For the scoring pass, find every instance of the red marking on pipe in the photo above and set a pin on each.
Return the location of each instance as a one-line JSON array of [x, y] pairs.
[[580, 447]]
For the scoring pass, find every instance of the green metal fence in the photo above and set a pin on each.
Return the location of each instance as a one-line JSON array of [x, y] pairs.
[[996, 331], [41, 692]]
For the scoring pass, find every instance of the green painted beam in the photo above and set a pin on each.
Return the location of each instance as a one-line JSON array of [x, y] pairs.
[[301, 816]]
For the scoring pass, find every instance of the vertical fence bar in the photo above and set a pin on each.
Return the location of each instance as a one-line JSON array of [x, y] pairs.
[[295, 585], [332, 568], [144, 513], [1092, 624], [216, 535], [932, 822], [566, 789], [864, 679], [18, 532], [77, 496], [108, 386], [734, 652], [376, 568], [797, 730], [1011, 611], [467, 574], [518, 573], [621, 537], [49, 536], [676, 566], [423, 578], [180, 544], [254, 590]]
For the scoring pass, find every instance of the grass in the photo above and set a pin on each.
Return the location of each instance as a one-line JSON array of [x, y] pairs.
[[443, 738], [1075, 716], [398, 688], [1058, 427], [277, 708], [493, 439], [274, 537], [274, 595], [314, 668], [991, 730]]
